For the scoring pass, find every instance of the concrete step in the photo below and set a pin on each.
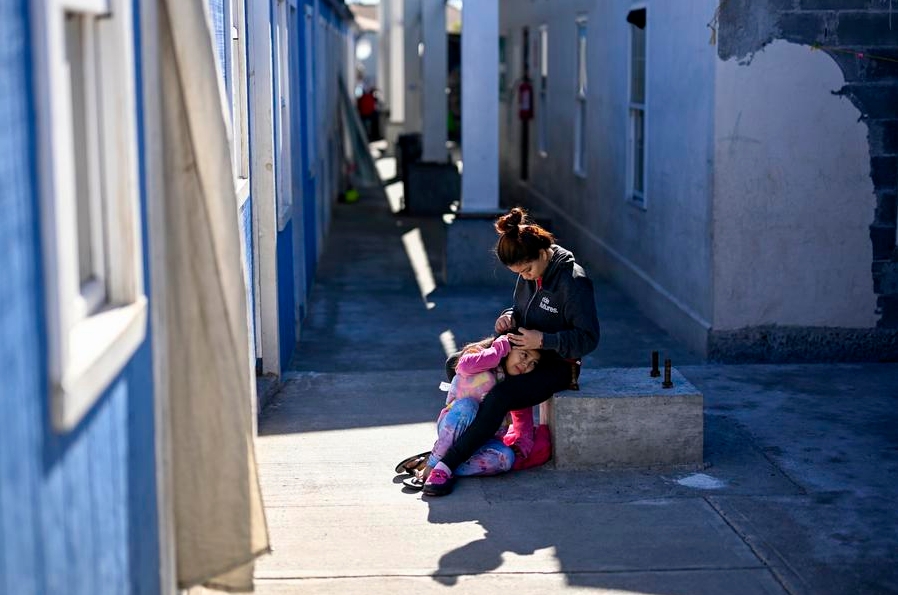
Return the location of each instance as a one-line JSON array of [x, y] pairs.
[[623, 418]]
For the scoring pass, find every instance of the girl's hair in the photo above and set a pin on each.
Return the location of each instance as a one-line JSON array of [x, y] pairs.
[[478, 345], [520, 239]]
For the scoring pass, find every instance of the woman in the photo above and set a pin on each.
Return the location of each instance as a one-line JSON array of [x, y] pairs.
[[554, 311]]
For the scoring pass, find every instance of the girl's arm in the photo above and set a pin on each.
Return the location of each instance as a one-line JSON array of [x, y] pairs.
[[485, 359]]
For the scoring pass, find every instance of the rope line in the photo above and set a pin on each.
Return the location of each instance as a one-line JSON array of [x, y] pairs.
[[854, 53]]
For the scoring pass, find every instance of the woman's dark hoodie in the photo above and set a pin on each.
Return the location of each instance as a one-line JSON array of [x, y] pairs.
[[564, 308]]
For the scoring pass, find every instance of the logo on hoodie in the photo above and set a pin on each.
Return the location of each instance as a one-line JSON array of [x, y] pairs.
[[544, 304]]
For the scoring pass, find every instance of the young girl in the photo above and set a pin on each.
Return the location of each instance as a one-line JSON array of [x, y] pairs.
[[554, 310], [480, 366]]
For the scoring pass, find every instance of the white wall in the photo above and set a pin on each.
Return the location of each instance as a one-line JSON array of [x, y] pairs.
[[793, 195], [412, 36], [661, 255]]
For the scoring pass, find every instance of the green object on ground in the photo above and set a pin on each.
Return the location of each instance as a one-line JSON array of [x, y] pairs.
[[352, 195]]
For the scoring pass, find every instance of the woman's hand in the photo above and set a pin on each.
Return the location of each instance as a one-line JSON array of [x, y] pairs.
[[504, 323], [526, 339]]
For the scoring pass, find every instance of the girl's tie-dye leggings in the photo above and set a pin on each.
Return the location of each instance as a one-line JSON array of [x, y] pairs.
[[491, 458]]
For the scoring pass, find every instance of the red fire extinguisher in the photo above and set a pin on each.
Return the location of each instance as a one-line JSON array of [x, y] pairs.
[[525, 100]]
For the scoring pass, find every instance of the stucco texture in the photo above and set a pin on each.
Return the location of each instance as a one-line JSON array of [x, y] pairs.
[[793, 198]]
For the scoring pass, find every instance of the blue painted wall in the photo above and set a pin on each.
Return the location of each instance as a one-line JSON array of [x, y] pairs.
[[77, 511], [298, 242], [298, 253], [309, 123], [286, 299]]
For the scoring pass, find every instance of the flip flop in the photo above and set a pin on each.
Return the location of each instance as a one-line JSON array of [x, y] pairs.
[[414, 483], [411, 464]]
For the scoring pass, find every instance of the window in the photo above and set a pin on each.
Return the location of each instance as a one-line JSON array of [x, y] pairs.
[[283, 149], [542, 120], [96, 307], [503, 69], [580, 111], [636, 140], [239, 101]]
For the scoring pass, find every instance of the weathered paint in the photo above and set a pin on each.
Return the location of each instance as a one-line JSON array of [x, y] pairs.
[[793, 197], [718, 269], [77, 511]]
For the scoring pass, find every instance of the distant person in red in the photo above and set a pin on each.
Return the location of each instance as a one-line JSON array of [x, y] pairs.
[[368, 112]]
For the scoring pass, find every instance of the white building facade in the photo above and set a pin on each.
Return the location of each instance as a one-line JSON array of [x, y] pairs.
[[732, 199]]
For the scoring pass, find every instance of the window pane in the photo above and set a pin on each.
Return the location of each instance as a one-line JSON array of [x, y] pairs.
[[80, 63], [582, 133], [581, 57], [637, 65], [638, 117], [580, 138], [503, 67], [541, 115]]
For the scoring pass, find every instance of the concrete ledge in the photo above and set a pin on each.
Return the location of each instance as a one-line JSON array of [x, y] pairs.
[[470, 252], [267, 386], [623, 418]]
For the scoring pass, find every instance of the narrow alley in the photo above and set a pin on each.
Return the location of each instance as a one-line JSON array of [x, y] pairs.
[[240, 238], [790, 500]]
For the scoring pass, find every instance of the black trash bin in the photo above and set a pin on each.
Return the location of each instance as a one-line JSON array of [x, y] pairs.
[[408, 150]]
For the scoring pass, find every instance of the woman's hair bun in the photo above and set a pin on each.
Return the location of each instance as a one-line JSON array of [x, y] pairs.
[[508, 223]]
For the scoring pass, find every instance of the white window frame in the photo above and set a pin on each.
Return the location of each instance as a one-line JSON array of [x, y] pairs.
[[581, 91], [239, 100], [637, 112], [93, 329], [542, 83]]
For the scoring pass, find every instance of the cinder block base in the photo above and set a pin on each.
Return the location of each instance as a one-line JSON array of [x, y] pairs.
[[623, 418]]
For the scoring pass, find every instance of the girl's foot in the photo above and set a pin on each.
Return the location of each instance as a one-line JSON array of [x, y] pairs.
[[416, 481], [440, 481]]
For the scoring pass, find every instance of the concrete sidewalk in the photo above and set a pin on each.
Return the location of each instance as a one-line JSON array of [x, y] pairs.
[[798, 494]]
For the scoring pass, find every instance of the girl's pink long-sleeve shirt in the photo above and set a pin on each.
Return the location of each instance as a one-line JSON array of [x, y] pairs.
[[485, 359]]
